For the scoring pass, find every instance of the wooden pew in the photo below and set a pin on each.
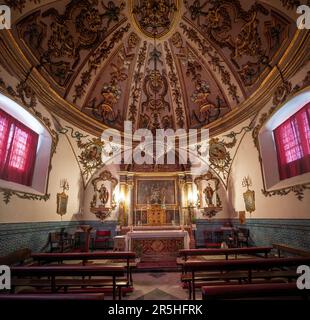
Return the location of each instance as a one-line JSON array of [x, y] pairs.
[[128, 256], [17, 257], [52, 297], [240, 270], [186, 253], [291, 250], [225, 252], [20, 275], [246, 291]]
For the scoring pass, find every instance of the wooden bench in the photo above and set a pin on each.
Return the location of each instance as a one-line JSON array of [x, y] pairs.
[[239, 270], [127, 256], [291, 250], [54, 283], [186, 253], [17, 257], [247, 291], [52, 297]]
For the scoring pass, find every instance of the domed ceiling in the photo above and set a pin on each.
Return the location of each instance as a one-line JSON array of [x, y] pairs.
[[161, 64]]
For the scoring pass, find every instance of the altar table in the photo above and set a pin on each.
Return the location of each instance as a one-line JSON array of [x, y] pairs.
[[155, 245]]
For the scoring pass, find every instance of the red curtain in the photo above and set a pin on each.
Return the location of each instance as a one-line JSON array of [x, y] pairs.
[[293, 144], [18, 147]]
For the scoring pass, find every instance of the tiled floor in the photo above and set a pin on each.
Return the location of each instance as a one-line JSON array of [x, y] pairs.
[[157, 286]]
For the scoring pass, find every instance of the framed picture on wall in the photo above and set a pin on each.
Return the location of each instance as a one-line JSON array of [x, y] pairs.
[[249, 200], [156, 191], [62, 203]]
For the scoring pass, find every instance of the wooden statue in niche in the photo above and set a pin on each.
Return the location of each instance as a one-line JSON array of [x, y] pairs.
[[102, 205], [208, 191]]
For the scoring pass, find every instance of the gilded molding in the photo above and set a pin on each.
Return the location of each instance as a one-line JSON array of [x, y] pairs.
[[19, 4], [96, 59], [215, 61], [176, 89], [7, 195], [297, 189]]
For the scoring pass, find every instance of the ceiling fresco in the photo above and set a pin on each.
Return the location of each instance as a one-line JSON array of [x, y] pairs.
[[161, 64]]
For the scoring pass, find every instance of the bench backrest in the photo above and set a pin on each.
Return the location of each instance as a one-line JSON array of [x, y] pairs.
[[16, 257], [292, 250], [250, 290], [55, 271], [228, 251], [125, 255], [243, 264], [53, 297]]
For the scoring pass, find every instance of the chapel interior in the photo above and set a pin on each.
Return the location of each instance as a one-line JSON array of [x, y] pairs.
[[154, 150]]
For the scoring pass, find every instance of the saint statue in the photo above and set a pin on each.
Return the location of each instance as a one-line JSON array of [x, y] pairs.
[[208, 191], [103, 194]]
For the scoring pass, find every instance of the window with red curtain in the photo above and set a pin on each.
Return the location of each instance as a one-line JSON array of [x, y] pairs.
[[292, 140], [18, 148]]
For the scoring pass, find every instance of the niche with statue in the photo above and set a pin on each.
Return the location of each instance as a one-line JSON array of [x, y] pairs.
[[210, 202], [103, 203]]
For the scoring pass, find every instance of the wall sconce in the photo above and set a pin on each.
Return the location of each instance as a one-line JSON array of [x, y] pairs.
[[249, 195], [62, 198]]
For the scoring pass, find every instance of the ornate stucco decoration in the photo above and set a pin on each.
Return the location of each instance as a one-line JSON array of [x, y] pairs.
[[87, 59], [91, 151], [281, 94], [290, 4], [103, 202], [19, 4], [24, 95], [221, 152], [154, 18], [215, 60]]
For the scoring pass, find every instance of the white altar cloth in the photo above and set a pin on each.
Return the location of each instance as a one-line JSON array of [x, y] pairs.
[[155, 234]]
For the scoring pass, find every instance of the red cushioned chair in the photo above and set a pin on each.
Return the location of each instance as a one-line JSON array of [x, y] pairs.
[[103, 239], [213, 239]]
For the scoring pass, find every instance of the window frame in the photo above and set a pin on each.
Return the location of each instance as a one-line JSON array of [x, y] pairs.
[[10, 170], [265, 145], [297, 148], [47, 143]]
